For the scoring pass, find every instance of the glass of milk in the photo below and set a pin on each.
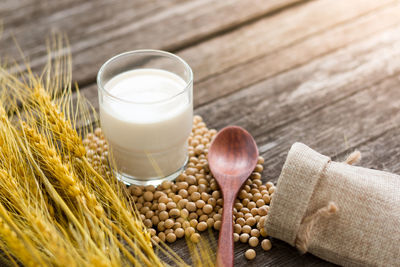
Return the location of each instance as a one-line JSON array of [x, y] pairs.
[[146, 110]]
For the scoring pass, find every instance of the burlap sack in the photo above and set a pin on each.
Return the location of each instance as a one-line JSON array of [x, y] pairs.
[[341, 213]]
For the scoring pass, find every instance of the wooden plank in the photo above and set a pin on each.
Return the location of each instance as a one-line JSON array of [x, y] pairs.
[[324, 132], [322, 104], [305, 89], [381, 153], [16, 13], [78, 19], [333, 104], [31, 13], [96, 33], [281, 254], [294, 55], [218, 75], [337, 128], [271, 34], [74, 16], [297, 93]]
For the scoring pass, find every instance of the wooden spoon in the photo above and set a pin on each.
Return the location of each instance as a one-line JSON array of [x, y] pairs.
[[232, 157]]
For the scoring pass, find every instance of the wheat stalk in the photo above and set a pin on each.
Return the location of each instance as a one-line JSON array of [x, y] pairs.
[[51, 163], [17, 242], [57, 125], [23, 202], [51, 198]]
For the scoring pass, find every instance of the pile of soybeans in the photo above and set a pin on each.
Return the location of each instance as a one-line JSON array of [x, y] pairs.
[[193, 202]]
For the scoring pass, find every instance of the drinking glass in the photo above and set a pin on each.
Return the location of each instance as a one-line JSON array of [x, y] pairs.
[[147, 129]]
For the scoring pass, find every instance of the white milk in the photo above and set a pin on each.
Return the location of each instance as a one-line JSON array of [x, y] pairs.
[[147, 132]]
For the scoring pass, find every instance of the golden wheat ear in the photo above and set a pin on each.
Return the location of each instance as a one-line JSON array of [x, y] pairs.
[[84, 227]]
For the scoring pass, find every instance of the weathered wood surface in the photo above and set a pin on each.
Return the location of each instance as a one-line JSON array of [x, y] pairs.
[[321, 72], [99, 29], [275, 57]]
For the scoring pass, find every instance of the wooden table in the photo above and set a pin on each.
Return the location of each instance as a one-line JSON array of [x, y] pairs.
[[323, 72]]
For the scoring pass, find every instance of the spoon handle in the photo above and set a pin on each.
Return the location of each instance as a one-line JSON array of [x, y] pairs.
[[225, 243]]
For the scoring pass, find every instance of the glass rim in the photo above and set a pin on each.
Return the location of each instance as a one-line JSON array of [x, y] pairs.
[[144, 51]]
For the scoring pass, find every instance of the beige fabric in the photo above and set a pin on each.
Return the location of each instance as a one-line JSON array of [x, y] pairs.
[[365, 229]]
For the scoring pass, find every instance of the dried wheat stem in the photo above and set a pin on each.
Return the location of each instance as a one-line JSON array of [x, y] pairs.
[[61, 127], [17, 242], [51, 162], [64, 207]]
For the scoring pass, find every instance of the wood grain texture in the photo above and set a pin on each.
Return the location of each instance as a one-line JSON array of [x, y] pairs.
[[304, 90], [292, 50], [271, 34], [316, 104], [331, 131], [278, 117], [16, 14], [381, 152], [99, 29], [338, 128], [295, 54], [334, 103]]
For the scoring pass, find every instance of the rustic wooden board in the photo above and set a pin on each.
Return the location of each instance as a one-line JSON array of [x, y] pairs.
[[281, 254], [15, 14], [292, 50], [323, 131], [323, 72], [272, 34], [268, 108], [315, 103], [282, 99], [304, 89], [338, 128], [334, 104], [382, 152], [96, 33], [300, 52]]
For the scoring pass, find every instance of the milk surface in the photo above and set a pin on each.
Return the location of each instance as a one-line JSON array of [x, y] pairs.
[[148, 131]]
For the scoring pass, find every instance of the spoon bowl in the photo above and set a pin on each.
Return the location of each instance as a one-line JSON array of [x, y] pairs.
[[232, 157]]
